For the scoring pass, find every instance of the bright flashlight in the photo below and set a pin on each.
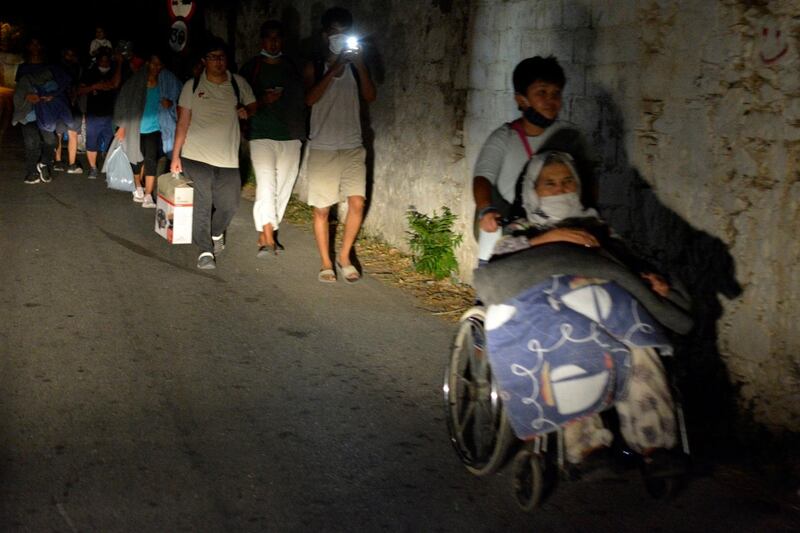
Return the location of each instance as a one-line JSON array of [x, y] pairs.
[[352, 42]]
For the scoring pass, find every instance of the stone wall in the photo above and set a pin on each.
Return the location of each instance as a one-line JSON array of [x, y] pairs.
[[694, 112], [693, 108], [417, 52]]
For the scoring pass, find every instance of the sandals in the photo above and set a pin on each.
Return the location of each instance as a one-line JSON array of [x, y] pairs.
[[349, 273], [326, 275], [266, 251]]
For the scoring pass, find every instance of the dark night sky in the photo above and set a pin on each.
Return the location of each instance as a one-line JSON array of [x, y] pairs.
[[73, 22]]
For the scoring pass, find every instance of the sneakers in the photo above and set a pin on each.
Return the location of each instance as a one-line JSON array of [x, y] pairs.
[[206, 261], [58, 166], [74, 169], [148, 202], [32, 180], [44, 172], [138, 195], [219, 243], [92, 173]]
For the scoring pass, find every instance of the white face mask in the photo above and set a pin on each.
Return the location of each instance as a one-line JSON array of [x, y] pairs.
[[561, 206], [271, 56], [337, 43], [104, 69]]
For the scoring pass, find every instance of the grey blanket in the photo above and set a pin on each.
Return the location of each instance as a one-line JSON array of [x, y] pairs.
[[508, 276], [128, 112]]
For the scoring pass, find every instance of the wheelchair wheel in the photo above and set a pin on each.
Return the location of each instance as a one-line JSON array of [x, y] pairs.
[[662, 488], [477, 423], [527, 479], [666, 481]]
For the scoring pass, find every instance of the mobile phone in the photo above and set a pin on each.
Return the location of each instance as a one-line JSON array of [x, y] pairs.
[[352, 44]]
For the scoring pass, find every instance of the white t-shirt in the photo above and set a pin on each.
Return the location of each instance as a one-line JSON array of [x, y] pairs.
[[213, 137], [503, 157], [335, 118]]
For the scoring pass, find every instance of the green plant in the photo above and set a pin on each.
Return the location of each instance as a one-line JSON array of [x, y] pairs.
[[433, 242]]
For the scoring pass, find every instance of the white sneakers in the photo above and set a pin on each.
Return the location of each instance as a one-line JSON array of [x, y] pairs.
[[145, 199]]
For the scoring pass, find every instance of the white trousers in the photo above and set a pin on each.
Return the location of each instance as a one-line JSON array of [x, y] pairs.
[[275, 164]]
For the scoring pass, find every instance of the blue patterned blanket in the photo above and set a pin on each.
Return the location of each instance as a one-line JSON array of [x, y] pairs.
[[560, 350]]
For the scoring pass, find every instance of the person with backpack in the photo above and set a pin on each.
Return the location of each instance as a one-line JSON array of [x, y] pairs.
[[337, 158], [207, 147], [538, 85], [276, 132]]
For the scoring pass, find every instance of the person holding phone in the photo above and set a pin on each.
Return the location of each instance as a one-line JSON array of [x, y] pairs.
[[276, 132], [336, 164]]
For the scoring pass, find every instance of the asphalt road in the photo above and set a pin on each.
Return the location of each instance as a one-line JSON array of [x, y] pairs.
[[140, 394]]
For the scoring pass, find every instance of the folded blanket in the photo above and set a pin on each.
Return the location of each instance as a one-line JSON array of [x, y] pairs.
[[507, 276]]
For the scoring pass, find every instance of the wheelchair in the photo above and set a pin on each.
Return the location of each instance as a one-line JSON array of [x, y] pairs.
[[482, 437]]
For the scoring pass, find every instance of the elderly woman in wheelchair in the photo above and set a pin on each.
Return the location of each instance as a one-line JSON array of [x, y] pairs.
[[574, 325]]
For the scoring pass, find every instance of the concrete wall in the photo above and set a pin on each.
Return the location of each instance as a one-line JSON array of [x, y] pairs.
[[693, 109]]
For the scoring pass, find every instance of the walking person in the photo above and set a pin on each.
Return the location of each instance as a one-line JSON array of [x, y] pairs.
[[207, 147], [40, 106], [145, 114], [276, 132], [71, 65], [99, 85], [336, 159]]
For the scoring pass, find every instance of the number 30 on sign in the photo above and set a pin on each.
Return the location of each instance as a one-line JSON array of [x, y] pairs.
[[178, 34]]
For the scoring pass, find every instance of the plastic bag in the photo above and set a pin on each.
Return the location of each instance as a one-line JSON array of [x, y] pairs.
[[119, 174]]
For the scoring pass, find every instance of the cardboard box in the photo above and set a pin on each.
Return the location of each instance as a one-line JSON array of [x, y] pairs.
[[174, 209]]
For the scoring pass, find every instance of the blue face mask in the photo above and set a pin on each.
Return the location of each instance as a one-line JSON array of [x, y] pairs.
[[536, 118]]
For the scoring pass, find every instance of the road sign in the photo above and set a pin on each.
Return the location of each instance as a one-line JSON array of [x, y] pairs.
[[178, 35], [181, 9]]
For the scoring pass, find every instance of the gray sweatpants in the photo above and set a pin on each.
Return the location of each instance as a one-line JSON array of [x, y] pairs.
[[216, 197]]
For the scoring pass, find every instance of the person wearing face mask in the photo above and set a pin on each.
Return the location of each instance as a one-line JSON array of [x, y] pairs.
[[276, 132], [551, 199], [99, 85], [538, 86], [336, 158]]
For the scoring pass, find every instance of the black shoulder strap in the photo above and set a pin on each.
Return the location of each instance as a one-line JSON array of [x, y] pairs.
[[517, 210], [234, 83], [319, 69], [254, 71]]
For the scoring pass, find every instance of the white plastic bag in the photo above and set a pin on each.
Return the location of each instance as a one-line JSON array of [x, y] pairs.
[[119, 174]]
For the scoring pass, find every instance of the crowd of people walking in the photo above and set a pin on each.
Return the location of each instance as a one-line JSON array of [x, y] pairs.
[[130, 95]]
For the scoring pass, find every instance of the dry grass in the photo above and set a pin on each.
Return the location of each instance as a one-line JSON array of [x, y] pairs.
[[443, 298], [446, 298]]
